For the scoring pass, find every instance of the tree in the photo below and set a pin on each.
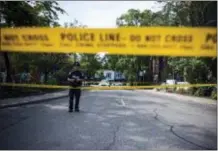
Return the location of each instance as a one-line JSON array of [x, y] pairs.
[[194, 14], [137, 18], [90, 63], [21, 14], [174, 13]]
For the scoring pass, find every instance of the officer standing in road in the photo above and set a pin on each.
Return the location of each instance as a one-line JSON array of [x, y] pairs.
[[75, 78]]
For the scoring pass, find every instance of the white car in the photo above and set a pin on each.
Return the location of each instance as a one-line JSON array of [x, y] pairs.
[[104, 83], [117, 84]]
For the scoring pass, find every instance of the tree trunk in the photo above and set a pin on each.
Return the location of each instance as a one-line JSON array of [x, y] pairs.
[[162, 69], [46, 77], [139, 69], [150, 69], [165, 69], [8, 67]]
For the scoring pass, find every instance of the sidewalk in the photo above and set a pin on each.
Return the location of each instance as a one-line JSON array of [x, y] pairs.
[[11, 102], [180, 96]]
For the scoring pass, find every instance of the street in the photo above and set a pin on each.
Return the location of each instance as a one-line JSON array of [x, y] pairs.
[[111, 120]]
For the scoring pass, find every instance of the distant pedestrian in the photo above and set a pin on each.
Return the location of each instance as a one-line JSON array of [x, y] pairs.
[[75, 78]]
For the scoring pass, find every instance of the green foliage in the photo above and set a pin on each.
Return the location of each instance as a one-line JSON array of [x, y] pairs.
[[204, 91], [180, 91], [193, 13], [192, 91], [174, 13], [61, 76], [52, 81], [131, 65], [194, 70], [23, 13], [39, 63], [199, 92], [214, 94], [90, 63], [31, 14], [100, 74]]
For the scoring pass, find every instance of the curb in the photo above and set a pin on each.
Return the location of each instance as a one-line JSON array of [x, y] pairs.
[[184, 97], [31, 102]]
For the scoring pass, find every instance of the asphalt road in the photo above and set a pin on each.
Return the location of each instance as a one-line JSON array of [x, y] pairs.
[[118, 120]]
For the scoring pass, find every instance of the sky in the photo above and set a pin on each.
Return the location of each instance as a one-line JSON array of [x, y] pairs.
[[101, 14]]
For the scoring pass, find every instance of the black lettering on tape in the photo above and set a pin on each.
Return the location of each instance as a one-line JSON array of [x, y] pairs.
[[92, 37], [71, 37], [35, 37], [135, 38], [111, 45], [46, 38], [68, 36], [85, 37], [11, 37], [207, 47], [24, 37], [77, 37], [152, 38], [211, 37], [179, 38], [63, 35], [110, 37], [190, 38], [84, 45]]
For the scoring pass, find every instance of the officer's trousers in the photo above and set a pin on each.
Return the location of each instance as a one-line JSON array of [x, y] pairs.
[[74, 93]]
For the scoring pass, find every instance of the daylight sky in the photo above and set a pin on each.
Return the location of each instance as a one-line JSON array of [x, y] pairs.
[[101, 14]]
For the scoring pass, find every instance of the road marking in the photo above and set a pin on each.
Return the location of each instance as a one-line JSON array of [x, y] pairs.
[[122, 102]]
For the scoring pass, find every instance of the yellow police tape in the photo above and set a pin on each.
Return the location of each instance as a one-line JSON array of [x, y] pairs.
[[105, 87], [156, 41], [134, 82]]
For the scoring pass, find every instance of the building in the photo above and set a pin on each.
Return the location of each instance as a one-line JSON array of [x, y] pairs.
[[112, 75]]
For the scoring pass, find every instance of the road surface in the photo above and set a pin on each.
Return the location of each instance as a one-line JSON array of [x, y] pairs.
[[111, 120]]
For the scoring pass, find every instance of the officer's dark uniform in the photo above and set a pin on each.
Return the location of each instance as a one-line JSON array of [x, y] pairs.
[[75, 92]]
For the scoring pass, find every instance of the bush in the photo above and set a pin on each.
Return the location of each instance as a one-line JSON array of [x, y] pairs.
[[61, 77], [13, 92], [214, 94], [203, 91], [181, 91], [52, 81], [192, 90], [199, 92]]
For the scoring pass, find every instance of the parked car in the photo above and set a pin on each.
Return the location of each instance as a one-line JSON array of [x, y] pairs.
[[117, 84], [104, 83]]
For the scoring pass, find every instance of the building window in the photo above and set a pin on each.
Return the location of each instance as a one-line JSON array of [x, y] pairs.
[[108, 75]]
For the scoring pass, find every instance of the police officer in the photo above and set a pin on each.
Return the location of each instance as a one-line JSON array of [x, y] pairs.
[[75, 78]]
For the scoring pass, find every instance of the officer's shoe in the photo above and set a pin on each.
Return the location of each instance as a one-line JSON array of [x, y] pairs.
[[77, 110], [70, 110]]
